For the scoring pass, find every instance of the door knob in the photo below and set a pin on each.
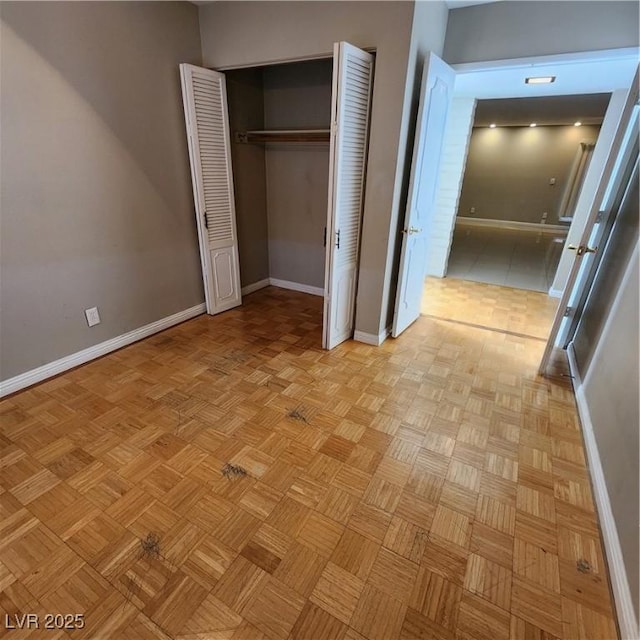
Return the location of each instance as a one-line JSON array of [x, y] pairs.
[[582, 249]]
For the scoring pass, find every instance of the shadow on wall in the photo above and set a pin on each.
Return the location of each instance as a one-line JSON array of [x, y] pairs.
[[97, 208], [116, 80], [520, 174]]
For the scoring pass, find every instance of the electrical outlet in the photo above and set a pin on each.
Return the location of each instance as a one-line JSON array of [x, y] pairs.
[[472, 210], [92, 315]]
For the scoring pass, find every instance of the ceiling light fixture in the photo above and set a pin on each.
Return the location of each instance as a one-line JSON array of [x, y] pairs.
[[492, 125], [533, 124], [577, 124], [540, 80]]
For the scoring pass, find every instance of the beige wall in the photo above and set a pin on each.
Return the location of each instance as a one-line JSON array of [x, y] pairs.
[[97, 207], [297, 96], [245, 98], [606, 354], [508, 171], [249, 33], [522, 28], [610, 388]]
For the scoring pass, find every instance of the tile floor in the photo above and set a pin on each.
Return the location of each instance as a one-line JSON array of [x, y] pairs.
[[431, 488], [519, 259]]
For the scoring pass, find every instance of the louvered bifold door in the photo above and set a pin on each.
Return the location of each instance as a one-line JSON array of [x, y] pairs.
[[206, 115], [351, 100]]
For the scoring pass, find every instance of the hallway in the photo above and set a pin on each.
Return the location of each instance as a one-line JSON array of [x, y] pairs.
[[227, 478]]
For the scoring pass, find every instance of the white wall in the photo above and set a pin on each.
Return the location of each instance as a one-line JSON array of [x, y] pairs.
[[452, 169]]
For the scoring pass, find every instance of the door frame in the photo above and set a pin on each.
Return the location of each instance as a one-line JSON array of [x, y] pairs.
[[479, 72], [578, 277], [321, 56], [475, 74]]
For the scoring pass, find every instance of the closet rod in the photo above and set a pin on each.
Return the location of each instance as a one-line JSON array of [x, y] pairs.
[[283, 135]]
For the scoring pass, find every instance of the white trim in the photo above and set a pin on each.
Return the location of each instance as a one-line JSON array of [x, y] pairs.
[[630, 53], [463, 221], [91, 353], [296, 286], [372, 338], [255, 286], [617, 571], [555, 293]]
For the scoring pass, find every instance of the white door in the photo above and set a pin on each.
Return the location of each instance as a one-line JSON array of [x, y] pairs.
[[592, 239], [436, 94], [351, 100], [204, 96]]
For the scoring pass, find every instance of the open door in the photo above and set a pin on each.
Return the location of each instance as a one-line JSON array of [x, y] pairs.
[[351, 99], [205, 108], [595, 233], [436, 94]]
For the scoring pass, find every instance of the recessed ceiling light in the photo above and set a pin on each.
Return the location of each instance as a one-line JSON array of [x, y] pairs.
[[541, 80], [492, 125], [533, 124], [577, 124]]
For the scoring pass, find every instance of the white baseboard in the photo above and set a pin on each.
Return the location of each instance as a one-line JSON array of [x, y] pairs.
[[463, 221], [91, 353], [250, 288], [296, 286], [555, 293], [372, 338], [619, 583]]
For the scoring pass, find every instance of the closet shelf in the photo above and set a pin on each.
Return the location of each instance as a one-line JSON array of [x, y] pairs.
[[283, 135]]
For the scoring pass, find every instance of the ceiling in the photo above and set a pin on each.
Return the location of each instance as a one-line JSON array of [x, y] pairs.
[[548, 110], [576, 73]]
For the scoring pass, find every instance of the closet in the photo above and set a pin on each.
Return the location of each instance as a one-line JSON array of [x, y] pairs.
[[278, 163]]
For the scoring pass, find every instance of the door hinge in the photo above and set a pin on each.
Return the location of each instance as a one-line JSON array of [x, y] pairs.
[[568, 312], [324, 240]]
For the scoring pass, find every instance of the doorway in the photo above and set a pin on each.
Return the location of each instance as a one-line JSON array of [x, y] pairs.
[[527, 160], [218, 194], [590, 72]]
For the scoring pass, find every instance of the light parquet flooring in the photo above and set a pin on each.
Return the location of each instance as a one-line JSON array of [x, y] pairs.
[[432, 487], [518, 311]]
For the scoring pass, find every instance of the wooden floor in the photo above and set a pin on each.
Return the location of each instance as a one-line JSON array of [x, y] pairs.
[[229, 479], [517, 311]]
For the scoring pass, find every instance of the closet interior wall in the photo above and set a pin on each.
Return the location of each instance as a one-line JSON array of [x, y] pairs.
[[245, 99], [281, 187]]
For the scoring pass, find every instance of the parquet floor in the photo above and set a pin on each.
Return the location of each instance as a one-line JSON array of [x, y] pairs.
[[517, 311], [433, 487]]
